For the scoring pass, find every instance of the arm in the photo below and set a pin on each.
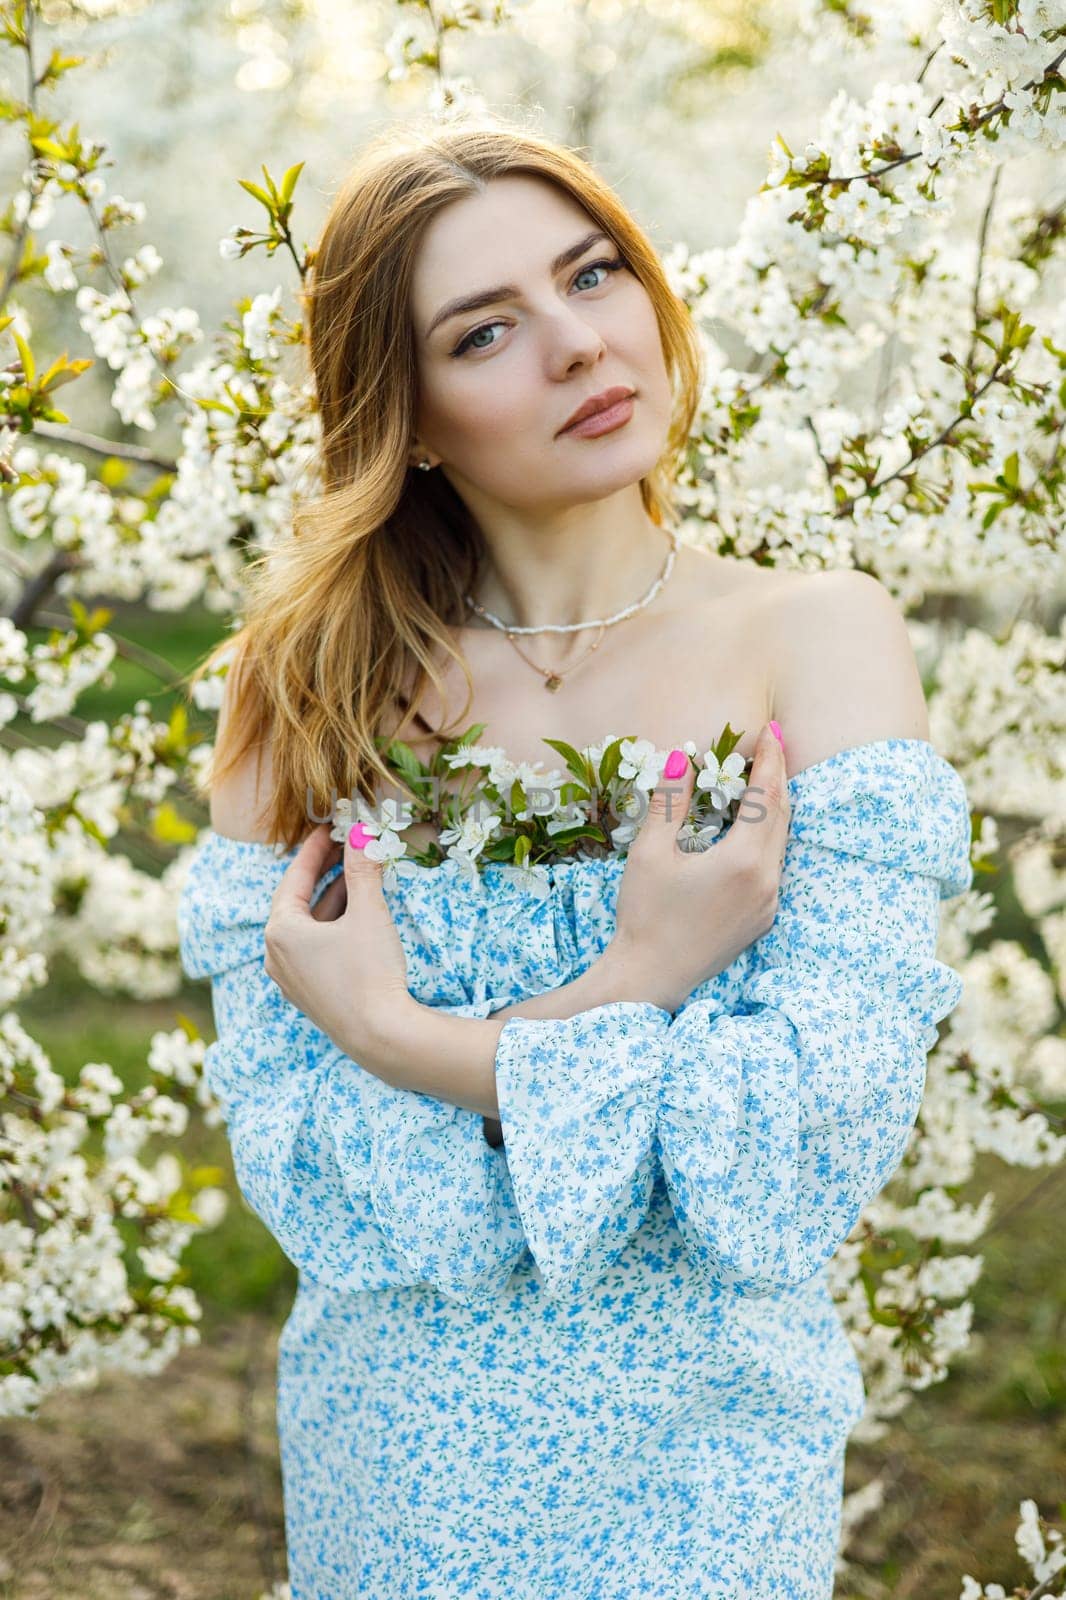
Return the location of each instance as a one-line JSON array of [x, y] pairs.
[[423, 1049], [782, 1115], [362, 1185], [781, 1097], [362, 1182], [781, 1118]]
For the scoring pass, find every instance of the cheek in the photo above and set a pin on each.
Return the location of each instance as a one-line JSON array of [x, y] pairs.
[[649, 365], [646, 340], [474, 410]]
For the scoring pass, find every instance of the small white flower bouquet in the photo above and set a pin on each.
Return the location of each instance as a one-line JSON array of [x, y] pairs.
[[526, 815]]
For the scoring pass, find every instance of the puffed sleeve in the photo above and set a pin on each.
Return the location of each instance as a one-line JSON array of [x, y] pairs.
[[577, 1107], [363, 1185], [782, 1115]]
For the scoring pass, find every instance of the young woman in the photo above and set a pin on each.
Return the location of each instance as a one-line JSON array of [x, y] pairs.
[[560, 1158]]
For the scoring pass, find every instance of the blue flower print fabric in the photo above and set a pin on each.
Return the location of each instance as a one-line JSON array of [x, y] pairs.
[[601, 1360]]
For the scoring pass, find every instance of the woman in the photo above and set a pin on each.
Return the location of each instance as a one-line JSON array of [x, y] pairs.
[[561, 1162]]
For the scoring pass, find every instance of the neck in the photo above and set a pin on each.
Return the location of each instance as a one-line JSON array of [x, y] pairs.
[[569, 575]]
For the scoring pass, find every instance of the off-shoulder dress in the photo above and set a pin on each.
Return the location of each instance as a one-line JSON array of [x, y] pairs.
[[601, 1360]]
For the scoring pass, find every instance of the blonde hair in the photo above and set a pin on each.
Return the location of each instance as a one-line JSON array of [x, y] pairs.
[[338, 615]]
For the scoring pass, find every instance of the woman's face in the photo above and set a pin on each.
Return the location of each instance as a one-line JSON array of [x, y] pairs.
[[498, 383]]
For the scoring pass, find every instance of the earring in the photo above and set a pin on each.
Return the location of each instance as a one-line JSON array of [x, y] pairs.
[[424, 466]]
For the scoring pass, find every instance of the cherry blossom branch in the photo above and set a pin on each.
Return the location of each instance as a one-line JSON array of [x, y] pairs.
[[974, 121], [14, 265], [124, 646], [982, 240], [63, 433]]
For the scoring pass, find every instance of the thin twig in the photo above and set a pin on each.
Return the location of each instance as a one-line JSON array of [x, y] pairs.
[[982, 239], [101, 446], [823, 179], [1048, 1182], [15, 260], [125, 647], [40, 586]]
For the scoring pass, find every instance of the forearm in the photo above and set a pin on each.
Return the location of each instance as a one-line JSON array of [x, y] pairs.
[[618, 974], [416, 1047]]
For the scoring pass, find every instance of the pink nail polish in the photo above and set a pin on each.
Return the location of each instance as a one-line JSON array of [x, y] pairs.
[[776, 731], [675, 764], [358, 837]]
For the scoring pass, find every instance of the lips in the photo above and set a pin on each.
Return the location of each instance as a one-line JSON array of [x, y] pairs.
[[597, 402]]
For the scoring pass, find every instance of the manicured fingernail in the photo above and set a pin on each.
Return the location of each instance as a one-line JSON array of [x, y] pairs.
[[358, 837], [676, 762], [776, 731]]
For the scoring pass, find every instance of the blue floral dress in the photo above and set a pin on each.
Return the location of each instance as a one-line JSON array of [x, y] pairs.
[[602, 1360]]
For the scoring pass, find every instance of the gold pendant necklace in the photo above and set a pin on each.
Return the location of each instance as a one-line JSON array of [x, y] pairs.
[[553, 680]]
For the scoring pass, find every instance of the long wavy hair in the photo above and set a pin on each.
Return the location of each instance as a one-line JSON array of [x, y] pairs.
[[347, 612]]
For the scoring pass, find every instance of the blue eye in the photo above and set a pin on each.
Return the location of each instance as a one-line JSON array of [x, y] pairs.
[[465, 343]]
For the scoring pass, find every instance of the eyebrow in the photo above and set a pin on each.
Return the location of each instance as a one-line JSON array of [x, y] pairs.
[[502, 291]]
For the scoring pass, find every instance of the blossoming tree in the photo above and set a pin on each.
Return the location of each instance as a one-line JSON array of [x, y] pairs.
[[903, 410]]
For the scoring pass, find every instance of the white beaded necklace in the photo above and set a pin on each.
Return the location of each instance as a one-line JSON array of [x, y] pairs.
[[553, 680]]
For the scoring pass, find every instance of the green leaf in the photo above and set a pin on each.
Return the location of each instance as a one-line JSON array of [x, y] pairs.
[[49, 147], [400, 755], [575, 761], [257, 193], [288, 182], [203, 1176], [29, 366], [727, 742], [611, 758], [580, 830], [179, 721], [59, 374]]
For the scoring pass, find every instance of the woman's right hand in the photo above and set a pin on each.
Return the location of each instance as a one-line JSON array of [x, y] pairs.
[[684, 915]]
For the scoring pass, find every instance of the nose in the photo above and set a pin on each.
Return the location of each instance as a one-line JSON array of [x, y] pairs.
[[573, 340]]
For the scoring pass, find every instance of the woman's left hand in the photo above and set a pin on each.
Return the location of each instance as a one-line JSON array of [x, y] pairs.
[[341, 963]]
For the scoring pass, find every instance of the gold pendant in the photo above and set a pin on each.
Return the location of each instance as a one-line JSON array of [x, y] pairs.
[[552, 682]]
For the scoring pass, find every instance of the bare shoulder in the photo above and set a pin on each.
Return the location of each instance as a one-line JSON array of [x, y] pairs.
[[705, 576], [844, 671], [239, 799]]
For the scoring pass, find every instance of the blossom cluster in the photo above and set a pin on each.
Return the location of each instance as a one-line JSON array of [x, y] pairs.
[[526, 816]]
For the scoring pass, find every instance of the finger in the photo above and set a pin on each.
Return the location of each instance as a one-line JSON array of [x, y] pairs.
[[766, 798], [669, 801], [362, 874], [767, 776], [784, 798], [298, 881]]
